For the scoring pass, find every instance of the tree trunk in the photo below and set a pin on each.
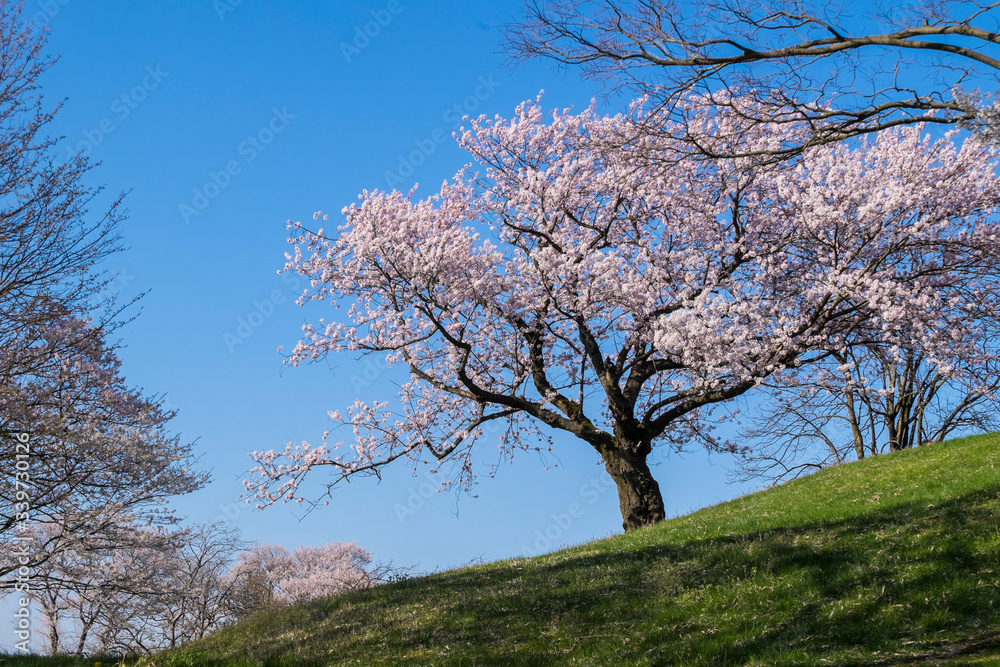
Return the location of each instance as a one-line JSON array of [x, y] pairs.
[[82, 644], [852, 417], [54, 634], [638, 493]]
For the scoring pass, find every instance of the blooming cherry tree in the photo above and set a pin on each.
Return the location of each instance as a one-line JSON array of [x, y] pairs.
[[86, 452], [589, 277], [269, 575], [314, 573], [101, 457]]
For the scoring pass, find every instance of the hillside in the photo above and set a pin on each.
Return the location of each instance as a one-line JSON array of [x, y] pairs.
[[888, 561]]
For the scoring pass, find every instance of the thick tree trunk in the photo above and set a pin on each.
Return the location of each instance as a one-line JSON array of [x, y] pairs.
[[638, 493]]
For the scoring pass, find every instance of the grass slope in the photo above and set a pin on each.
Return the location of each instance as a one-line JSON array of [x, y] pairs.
[[893, 560]]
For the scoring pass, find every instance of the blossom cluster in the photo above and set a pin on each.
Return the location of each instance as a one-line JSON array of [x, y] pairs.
[[587, 274]]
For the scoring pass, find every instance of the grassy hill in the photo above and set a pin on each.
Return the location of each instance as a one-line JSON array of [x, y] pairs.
[[889, 561]]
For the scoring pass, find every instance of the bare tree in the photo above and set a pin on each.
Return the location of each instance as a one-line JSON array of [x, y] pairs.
[[845, 68], [96, 454], [83, 589], [869, 404], [196, 603], [50, 242]]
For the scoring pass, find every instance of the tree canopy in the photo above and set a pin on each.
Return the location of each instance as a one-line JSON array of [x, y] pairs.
[[588, 277]]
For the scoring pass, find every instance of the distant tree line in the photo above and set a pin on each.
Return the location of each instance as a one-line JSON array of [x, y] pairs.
[[169, 589], [86, 532]]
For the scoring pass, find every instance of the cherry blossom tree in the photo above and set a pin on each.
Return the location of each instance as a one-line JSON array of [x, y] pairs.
[[593, 279], [256, 576], [88, 595], [173, 587], [170, 587], [99, 456], [270, 575], [852, 68], [86, 452], [324, 571]]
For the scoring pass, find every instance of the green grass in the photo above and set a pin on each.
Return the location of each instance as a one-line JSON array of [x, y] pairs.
[[59, 661], [890, 561]]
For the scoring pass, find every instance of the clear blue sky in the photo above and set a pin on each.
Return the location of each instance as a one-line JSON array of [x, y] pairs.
[[264, 96]]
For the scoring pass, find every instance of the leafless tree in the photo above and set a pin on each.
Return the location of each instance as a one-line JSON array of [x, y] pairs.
[[51, 243], [842, 68], [197, 603], [870, 404], [177, 591], [97, 451]]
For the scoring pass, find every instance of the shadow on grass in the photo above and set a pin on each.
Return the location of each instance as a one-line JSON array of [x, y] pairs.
[[882, 587], [903, 576]]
